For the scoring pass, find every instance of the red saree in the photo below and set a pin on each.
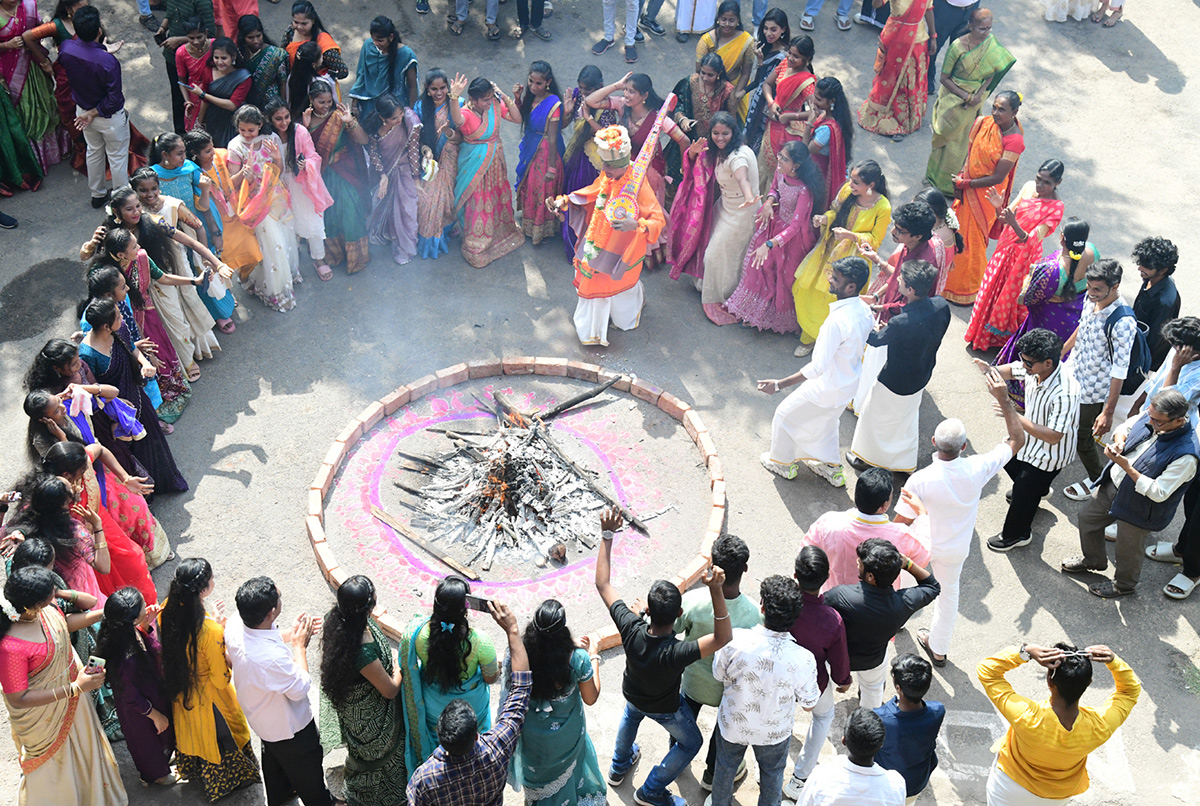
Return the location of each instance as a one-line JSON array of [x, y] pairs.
[[899, 92], [833, 164], [791, 93]]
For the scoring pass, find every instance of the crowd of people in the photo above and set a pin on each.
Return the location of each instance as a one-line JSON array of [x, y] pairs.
[[744, 181]]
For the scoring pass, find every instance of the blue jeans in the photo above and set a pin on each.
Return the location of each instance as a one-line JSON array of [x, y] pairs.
[[681, 725], [144, 8], [772, 763], [813, 7], [760, 11]]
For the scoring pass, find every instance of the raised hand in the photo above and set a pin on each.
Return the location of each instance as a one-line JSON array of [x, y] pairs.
[[343, 112], [611, 520], [458, 86]]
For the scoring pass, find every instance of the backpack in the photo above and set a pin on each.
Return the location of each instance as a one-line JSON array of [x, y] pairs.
[[1139, 353]]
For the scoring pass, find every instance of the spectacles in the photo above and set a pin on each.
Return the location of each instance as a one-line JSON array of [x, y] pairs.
[[1027, 362]]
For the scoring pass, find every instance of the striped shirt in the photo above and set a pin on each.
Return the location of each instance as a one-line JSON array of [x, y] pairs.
[[1053, 403]]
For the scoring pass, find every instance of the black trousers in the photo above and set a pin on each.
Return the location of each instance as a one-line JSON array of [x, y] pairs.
[[879, 15], [1029, 485], [530, 18], [177, 116], [950, 22], [1188, 544], [292, 768], [649, 9]]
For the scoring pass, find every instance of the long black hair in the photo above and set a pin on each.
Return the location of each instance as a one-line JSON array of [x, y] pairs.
[[229, 46], [288, 137], [300, 78], [116, 242], [807, 172], [1075, 240], [117, 642], [448, 648], [549, 644], [381, 27], [642, 83], [341, 637], [36, 404], [196, 140], [726, 7], [46, 513], [182, 619], [831, 89], [248, 24], [544, 69], [101, 282], [715, 62], [151, 236], [805, 46], [24, 589], [429, 132], [161, 144], [32, 553], [937, 202], [779, 17], [869, 173], [43, 372], [309, 10]]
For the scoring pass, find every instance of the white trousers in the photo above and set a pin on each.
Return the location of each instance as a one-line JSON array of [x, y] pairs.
[[592, 315], [818, 731], [1004, 791], [945, 606], [610, 20], [107, 139], [871, 683]]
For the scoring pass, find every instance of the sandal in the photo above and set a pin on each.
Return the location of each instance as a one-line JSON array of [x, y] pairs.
[[516, 33], [1096, 17], [806, 24], [1180, 587], [325, 275], [456, 28], [226, 325], [166, 428], [542, 34], [1163, 552], [1107, 590], [1113, 19], [1080, 490], [493, 32], [193, 374], [923, 642], [1077, 565]]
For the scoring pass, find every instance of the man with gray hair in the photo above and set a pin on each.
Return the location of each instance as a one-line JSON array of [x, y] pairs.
[[950, 489], [1151, 462]]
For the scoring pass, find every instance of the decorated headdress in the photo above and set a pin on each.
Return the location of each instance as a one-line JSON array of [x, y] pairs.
[[614, 146]]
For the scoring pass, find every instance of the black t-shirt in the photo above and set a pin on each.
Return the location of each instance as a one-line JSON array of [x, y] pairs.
[[653, 664]]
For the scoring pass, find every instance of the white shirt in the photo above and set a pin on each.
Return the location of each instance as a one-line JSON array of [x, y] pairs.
[[839, 782], [765, 674], [836, 361], [271, 688], [950, 490]]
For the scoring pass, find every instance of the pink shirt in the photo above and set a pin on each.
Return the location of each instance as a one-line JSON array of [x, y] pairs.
[[839, 534]]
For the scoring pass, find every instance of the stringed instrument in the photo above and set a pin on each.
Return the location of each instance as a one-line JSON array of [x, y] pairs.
[[623, 204]]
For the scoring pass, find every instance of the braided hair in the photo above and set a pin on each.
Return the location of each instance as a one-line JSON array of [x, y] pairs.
[[449, 635], [182, 619]]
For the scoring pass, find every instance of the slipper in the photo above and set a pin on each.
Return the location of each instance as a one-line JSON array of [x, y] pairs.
[[1183, 587], [923, 642], [1113, 19], [193, 374], [516, 33], [166, 428], [1108, 590], [1076, 565], [1163, 552], [806, 24], [1095, 17], [1080, 490], [493, 33], [843, 23], [456, 28], [326, 275], [227, 326], [543, 34]]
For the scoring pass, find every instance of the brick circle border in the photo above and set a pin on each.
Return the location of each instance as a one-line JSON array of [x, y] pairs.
[[370, 416]]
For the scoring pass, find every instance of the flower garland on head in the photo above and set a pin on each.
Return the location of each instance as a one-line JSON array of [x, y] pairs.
[[10, 612], [951, 219]]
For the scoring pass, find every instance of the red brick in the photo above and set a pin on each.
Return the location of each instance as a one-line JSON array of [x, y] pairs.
[[583, 371], [718, 494], [692, 571], [518, 365], [337, 576], [673, 405], [316, 532], [550, 366], [395, 400], [325, 559], [693, 424], [678, 582], [335, 455], [392, 626], [606, 375], [370, 416], [486, 368], [378, 613], [607, 640], [716, 519], [350, 434], [708, 448], [423, 386], [322, 480], [316, 508], [451, 376], [716, 470], [706, 545], [646, 391]]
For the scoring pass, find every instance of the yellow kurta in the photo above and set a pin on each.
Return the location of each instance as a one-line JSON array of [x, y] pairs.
[[195, 726]]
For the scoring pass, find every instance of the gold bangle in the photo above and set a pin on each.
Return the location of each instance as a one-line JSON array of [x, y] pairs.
[[76, 689]]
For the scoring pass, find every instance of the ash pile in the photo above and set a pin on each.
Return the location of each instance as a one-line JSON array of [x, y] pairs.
[[513, 492]]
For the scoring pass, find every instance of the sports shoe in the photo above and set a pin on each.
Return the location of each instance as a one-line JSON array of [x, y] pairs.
[[794, 788], [706, 780], [1008, 495], [681, 37], [652, 26], [422, 6], [1001, 543], [1110, 533], [638, 36], [863, 20], [616, 778], [834, 474], [786, 471], [601, 47], [665, 798], [803, 349], [630, 54], [150, 23], [547, 10], [7, 222]]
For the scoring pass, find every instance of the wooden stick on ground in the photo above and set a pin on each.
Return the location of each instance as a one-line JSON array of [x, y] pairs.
[[412, 536], [571, 402], [425, 460]]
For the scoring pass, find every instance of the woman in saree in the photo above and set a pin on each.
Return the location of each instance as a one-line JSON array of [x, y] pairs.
[[19, 167], [212, 738], [194, 68], [338, 138], [829, 135], [859, 214], [114, 358], [701, 95], [30, 88], [439, 166], [997, 141], [900, 91], [1031, 216], [307, 27], [444, 659], [539, 163], [784, 94], [266, 61], [302, 175], [360, 681], [64, 755], [396, 156], [240, 248], [228, 90], [946, 230], [386, 66], [555, 762], [482, 194], [736, 48], [581, 122], [1054, 295], [785, 234], [974, 66], [774, 40], [255, 158]]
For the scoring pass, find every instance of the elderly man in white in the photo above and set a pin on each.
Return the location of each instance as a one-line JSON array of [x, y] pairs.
[[950, 489]]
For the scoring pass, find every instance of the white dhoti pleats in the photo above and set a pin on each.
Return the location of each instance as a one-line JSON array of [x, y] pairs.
[[887, 431], [804, 429], [592, 315]]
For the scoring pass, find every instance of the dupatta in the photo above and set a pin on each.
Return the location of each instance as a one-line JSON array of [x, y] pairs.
[[475, 154], [14, 62], [833, 165], [268, 68], [791, 91], [535, 132], [896, 44], [42, 730], [329, 139], [691, 217], [309, 178]]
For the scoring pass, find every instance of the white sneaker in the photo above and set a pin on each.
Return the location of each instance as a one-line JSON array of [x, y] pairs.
[[793, 789], [1110, 533], [834, 474], [804, 349], [786, 471]]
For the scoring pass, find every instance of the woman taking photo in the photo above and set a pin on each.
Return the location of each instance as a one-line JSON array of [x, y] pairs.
[[439, 166], [539, 164], [212, 738], [64, 755], [1031, 216], [395, 157], [774, 39], [228, 90], [360, 679], [444, 659], [266, 61], [555, 762], [784, 93]]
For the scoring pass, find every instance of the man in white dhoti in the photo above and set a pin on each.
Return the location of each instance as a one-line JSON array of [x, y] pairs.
[[694, 17], [950, 489], [887, 432], [805, 428]]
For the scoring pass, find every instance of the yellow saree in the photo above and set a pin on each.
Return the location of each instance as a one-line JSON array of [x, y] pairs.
[[734, 54]]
